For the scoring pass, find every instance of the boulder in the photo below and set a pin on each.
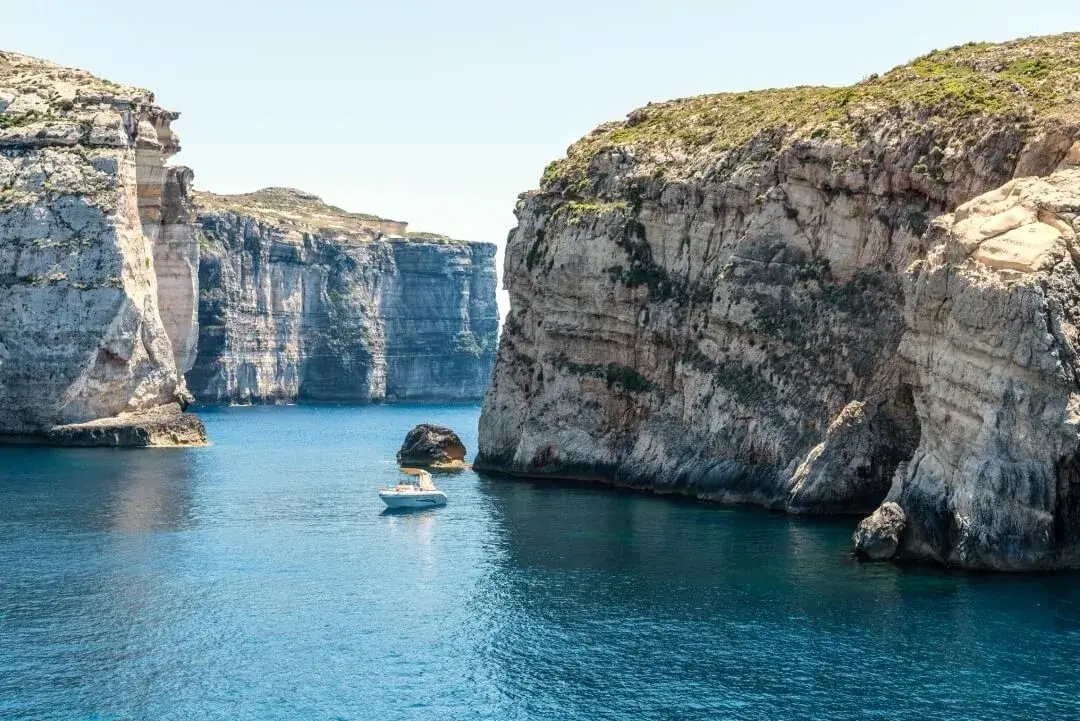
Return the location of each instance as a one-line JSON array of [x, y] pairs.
[[878, 537], [430, 446]]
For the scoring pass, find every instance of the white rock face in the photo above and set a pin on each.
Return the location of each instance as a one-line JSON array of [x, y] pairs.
[[708, 337], [991, 355], [301, 301], [82, 175]]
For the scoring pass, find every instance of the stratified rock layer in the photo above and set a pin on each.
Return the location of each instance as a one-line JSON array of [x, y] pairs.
[[993, 313], [162, 426], [709, 298], [88, 209], [301, 301]]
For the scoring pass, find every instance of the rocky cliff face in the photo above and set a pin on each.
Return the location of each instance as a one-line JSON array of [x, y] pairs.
[[990, 351], [301, 301], [94, 229], [714, 298]]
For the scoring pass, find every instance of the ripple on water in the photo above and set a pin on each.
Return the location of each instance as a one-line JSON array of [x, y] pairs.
[[260, 579]]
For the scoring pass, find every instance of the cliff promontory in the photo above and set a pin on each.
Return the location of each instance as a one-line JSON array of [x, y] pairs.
[[302, 301], [750, 298], [97, 263]]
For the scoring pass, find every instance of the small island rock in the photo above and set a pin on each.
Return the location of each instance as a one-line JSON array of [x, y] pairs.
[[430, 446]]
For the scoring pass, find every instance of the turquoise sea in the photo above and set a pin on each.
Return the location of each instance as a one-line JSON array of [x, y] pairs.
[[260, 578]]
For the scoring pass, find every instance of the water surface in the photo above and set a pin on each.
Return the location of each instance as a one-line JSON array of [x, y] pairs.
[[259, 578]]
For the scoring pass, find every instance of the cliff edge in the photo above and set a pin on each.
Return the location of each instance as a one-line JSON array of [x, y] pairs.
[[97, 258], [742, 297]]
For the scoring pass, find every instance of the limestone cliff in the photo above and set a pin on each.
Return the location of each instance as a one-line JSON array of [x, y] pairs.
[[301, 301], [709, 297], [993, 318], [95, 240]]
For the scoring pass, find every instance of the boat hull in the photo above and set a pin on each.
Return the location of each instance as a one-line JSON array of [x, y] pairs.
[[425, 499]]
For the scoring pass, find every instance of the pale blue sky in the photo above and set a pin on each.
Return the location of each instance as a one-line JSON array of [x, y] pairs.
[[440, 113]]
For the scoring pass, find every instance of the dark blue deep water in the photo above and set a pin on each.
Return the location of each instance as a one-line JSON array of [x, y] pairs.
[[260, 579]]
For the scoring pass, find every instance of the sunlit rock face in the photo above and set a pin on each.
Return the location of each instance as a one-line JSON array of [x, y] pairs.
[[731, 297], [87, 207], [990, 353], [301, 301]]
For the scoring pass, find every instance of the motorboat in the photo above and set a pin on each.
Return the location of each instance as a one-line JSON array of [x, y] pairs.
[[416, 492]]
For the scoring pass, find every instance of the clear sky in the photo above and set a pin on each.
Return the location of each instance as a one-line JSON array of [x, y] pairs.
[[440, 113]]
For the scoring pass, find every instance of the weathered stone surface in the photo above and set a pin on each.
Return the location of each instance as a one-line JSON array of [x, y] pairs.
[[301, 301], [709, 298], [431, 446], [160, 427], [878, 536], [87, 206], [851, 469], [991, 357]]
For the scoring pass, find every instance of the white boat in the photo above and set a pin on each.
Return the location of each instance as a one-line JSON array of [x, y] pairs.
[[417, 492]]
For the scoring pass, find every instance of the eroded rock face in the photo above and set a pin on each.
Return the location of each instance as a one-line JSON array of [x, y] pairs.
[[709, 298], [85, 198], [301, 301], [431, 446], [993, 312]]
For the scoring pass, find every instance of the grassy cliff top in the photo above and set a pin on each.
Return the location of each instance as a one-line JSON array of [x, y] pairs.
[[429, 237], [294, 208], [1024, 79], [32, 87], [297, 210]]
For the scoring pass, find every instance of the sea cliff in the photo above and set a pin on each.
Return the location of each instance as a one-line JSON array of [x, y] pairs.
[[750, 298], [302, 301], [97, 262]]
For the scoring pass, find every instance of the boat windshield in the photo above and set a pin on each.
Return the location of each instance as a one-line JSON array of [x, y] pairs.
[[419, 478]]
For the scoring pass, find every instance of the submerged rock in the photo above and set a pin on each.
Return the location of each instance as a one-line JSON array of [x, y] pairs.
[[97, 254], [709, 298], [430, 446], [878, 536]]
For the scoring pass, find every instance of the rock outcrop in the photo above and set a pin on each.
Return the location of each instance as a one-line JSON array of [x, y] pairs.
[[95, 241], [162, 426], [993, 317], [710, 297], [878, 536], [301, 301], [431, 446]]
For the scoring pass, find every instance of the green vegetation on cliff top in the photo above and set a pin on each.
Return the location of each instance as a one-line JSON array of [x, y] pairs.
[[283, 204], [1023, 79], [304, 212], [42, 89]]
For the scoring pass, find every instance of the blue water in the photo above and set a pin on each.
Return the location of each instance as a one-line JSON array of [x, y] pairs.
[[260, 579]]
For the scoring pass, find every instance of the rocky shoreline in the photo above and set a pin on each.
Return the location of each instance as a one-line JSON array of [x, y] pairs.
[[163, 427]]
